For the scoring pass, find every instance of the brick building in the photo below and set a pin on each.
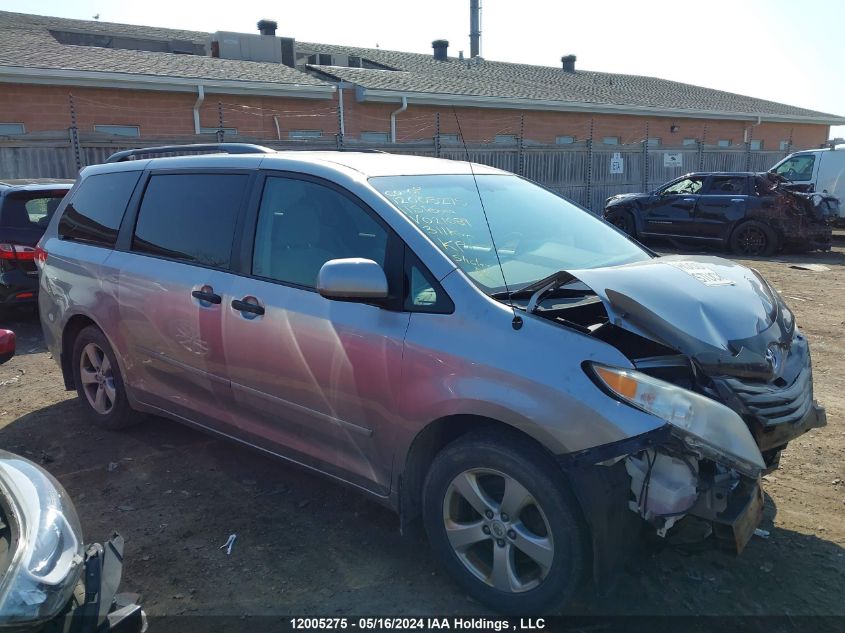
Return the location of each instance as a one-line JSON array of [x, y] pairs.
[[114, 81]]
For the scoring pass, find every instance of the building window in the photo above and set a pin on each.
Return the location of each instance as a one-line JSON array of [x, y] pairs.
[[118, 130], [227, 131], [610, 140], [375, 137], [690, 141], [505, 139], [8, 129], [653, 142], [449, 138], [305, 134], [565, 140], [756, 144], [784, 146], [725, 142]]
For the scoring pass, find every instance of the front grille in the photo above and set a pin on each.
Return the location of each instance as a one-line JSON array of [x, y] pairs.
[[776, 405]]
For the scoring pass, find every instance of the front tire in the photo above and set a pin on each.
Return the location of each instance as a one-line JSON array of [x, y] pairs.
[[624, 221], [99, 382], [502, 522]]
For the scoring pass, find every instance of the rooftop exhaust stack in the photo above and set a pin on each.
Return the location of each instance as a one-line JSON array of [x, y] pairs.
[[441, 48], [568, 63], [474, 28], [267, 27]]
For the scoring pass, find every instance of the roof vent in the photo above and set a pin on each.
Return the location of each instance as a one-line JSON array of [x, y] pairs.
[[267, 27], [441, 48], [568, 63]]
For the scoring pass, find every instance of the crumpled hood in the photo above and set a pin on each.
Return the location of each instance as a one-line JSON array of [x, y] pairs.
[[712, 309]]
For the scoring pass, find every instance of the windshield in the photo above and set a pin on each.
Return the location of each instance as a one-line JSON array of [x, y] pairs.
[[536, 232], [797, 168]]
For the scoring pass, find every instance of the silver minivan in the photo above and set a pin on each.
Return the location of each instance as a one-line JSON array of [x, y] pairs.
[[463, 345]]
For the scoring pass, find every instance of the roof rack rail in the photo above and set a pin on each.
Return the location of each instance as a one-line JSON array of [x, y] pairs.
[[225, 148]]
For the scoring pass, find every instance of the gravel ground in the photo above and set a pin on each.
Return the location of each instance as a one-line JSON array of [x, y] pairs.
[[308, 546]]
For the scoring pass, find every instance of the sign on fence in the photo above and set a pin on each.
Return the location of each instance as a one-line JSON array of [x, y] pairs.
[[673, 159], [617, 164]]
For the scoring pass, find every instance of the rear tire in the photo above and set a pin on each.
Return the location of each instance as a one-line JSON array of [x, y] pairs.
[[99, 382], [624, 221], [753, 239], [501, 520]]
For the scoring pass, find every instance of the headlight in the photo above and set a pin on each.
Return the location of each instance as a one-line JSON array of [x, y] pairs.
[[704, 425], [47, 555]]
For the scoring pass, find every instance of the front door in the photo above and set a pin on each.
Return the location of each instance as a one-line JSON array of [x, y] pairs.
[[671, 210], [313, 379]]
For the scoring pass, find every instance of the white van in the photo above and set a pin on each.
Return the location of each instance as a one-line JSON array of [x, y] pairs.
[[821, 170]]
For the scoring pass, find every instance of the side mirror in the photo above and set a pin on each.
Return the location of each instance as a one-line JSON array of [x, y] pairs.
[[351, 279], [7, 345]]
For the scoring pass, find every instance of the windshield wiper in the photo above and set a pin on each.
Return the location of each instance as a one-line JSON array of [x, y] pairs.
[[541, 285]]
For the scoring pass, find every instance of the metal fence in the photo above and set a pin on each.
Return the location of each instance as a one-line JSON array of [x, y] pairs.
[[585, 172]]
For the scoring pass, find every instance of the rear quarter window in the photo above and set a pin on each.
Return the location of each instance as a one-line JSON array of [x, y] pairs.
[[96, 210]]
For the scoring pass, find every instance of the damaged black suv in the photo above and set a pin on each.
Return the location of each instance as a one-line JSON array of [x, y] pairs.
[[748, 213]]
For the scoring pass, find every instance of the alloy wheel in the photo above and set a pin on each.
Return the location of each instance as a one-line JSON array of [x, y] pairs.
[[97, 376], [752, 241], [498, 530]]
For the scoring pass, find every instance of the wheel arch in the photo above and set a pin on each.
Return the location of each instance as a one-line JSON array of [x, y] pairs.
[[70, 331], [433, 438]]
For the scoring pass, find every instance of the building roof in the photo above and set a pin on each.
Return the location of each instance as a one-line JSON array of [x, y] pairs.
[[421, 75], [28, 44]]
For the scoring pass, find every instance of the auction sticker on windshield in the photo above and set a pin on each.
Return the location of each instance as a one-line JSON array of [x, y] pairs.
[[702, 273]]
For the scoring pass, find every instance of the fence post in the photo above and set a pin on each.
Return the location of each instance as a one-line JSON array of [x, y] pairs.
[[748, 150], [589, 197], [437, 135], [645, 159], [220, 132], [521, 146], [74, 134]]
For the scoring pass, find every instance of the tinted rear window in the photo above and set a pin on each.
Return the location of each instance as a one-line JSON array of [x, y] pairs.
[[95, 213], [190, 217], [30, 209]]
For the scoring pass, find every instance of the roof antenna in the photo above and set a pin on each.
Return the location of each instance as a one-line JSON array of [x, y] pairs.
[[517, 320]]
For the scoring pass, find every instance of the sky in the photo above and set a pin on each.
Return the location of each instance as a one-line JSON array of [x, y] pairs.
[[781, 50]]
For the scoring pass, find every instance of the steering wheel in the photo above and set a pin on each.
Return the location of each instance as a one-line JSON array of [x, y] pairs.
[[790, 174]]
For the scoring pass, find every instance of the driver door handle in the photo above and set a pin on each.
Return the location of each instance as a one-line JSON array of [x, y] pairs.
[[689, 199]]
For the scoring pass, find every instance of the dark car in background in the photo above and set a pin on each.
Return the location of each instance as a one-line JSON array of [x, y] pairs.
[[748, 213], [26, 207]]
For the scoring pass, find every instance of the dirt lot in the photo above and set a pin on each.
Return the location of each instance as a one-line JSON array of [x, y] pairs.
[[307, 546]]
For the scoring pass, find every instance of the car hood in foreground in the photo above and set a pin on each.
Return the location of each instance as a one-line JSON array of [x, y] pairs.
[[720, 313]]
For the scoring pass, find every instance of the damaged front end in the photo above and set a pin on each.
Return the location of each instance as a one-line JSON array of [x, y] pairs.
[[804, 221], [716, 354], [704, 324]]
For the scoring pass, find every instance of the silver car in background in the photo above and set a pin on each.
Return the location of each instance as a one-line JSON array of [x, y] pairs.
[[456, 342]]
